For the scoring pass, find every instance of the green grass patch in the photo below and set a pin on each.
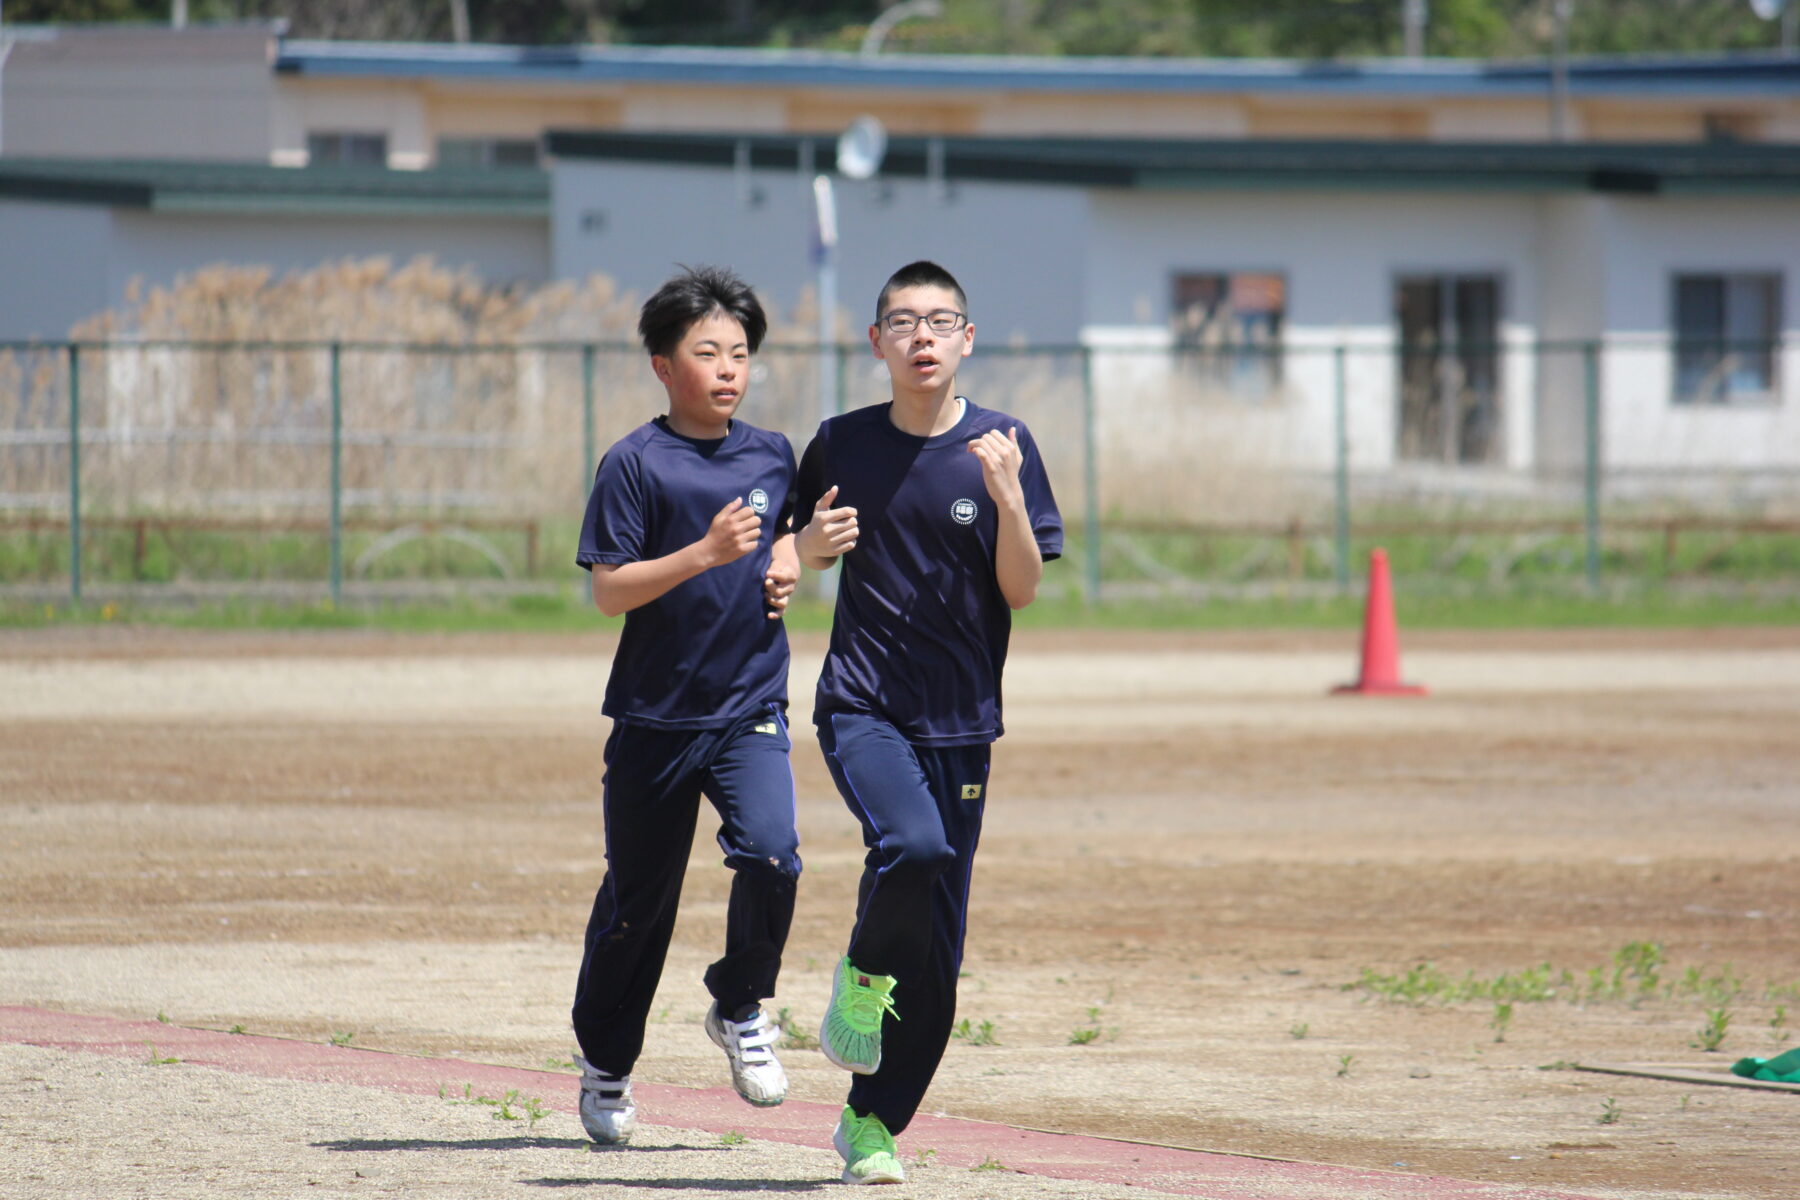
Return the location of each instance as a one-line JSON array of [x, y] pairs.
[[566, 609], [1637, 974]]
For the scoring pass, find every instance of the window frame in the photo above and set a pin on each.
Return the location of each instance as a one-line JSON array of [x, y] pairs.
[[488, 151], [1690, 392], [345, 140], [1251, 371]]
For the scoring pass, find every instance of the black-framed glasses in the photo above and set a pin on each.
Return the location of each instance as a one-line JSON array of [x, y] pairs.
[[943, 320]]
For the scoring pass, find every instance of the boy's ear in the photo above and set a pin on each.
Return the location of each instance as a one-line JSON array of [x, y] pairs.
[[875, 340], [660, 364], [968, 339]]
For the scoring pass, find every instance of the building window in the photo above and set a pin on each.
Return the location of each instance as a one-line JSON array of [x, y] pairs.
[[1450, 398], [487, 153], [1228, 328], [336, 148], [1730, 127], [1727, 328]]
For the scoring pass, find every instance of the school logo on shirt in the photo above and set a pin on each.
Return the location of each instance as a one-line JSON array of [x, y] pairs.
[[759, 501], [770, 728], [971, 791], [963, 512]]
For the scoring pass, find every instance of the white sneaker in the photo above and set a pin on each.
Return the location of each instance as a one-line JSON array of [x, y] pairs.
[[607, 1111], [750, 1045]]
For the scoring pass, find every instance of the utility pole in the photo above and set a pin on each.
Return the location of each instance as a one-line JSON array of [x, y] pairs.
[[1560, 12], [459, 21], [5, 47], [178, 14], [1412, 21]]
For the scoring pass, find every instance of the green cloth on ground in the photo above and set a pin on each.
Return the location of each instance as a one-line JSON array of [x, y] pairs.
[[1784, 1068]]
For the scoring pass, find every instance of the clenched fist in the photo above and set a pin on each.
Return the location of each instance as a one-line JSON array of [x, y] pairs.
[[831, 532], [734, 532]]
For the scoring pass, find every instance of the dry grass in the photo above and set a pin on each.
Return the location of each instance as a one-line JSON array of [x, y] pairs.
[[215, 395]]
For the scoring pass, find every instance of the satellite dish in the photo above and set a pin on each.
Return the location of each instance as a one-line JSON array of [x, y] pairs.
[[861, 148]]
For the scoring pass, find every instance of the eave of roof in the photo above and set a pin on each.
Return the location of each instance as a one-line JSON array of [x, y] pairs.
[[211, 187], [1628, 168], [1750, 73]]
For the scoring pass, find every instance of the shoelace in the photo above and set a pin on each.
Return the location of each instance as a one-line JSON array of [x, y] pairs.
[[866, 1007], [753, 1037], [868, 1136]]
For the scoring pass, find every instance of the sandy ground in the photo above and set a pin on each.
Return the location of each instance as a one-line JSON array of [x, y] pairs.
[[1190, 849], [81, 1126]]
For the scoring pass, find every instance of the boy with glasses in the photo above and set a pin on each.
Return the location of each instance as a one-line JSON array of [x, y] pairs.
[[687, 534], [943, 518]]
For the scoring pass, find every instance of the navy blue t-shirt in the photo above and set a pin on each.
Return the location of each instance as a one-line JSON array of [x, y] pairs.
[[704, 653], [920, 634]]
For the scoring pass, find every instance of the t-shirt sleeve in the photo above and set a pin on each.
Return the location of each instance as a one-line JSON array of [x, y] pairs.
[[1040, 501], [612, 530], [809, 481]]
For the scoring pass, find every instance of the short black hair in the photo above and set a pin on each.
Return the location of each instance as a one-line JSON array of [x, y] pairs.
[[694, 295], [923, 273]]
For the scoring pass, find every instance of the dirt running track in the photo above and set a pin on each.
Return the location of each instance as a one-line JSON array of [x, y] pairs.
[[1189, 849]]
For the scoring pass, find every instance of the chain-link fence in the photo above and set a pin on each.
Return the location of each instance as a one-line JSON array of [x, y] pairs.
[[183, 469]]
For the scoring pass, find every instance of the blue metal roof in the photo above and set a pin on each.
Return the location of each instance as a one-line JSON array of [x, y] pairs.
[[1757, 73]]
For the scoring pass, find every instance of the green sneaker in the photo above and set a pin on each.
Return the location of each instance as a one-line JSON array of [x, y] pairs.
[[868, 1149], [851, 1032]]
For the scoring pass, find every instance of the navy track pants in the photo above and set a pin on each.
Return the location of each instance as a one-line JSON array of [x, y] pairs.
[[920, 808], [653, 784]]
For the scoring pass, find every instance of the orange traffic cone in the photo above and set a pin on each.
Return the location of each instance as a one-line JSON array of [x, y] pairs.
[[1381, 640]]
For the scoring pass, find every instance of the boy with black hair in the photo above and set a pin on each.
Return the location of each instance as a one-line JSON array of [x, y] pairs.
[[943, 518], [687, 533]]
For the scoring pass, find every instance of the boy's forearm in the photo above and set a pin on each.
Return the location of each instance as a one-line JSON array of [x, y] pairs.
[[1018, 563], [786, 550], [633, 585]]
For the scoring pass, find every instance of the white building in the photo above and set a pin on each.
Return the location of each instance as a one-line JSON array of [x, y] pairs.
[[1216, 281], [1212, 231]]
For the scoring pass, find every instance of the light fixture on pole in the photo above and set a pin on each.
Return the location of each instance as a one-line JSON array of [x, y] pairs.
[[1787, 12], [860, 149]]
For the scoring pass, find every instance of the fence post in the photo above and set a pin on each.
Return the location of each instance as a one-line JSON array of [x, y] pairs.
[[74, 473], [1591, 459], [1341, 452], [1090, 475], [840, 373], [587, 418], [337, 474]]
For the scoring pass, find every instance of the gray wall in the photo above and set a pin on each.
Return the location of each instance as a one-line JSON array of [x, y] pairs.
[[1341, 252], [67, 262], [55, 260], [1018, 250]]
